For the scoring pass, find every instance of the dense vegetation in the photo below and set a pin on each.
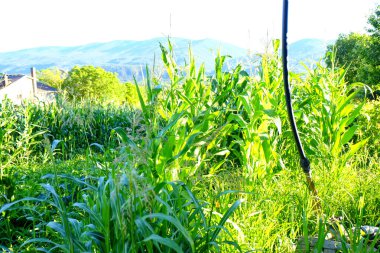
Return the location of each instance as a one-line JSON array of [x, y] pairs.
[[360, 54], [203, 164], [90, 83]]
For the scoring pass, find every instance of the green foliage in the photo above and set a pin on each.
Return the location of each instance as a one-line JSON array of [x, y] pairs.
[[369, 122], [19, 135], [210, 120], [130, 93], [349, 51], [90, 82], [374, 21], [359, 53], [53, 77], [204, 164], [328, 110], [69, 127]]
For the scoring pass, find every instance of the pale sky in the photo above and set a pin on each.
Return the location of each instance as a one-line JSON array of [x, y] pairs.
[[246, 23]]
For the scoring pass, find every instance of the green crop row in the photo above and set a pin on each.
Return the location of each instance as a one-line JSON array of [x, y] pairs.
[[207, 163]]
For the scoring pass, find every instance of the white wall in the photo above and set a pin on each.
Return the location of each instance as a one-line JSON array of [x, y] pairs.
[[18, 91]]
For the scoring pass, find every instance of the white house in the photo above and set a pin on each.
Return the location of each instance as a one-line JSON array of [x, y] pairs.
[[20, 87]]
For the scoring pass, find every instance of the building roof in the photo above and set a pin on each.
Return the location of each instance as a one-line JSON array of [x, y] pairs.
[[44, 87], [14, 78], [11, 79]]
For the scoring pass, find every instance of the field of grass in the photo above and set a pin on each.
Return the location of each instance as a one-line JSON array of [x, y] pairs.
[[203, 164]]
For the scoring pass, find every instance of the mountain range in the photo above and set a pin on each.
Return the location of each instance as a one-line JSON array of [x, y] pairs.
[[128, 58]]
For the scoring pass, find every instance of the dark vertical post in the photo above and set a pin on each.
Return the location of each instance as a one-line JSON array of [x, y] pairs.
[[305, 163], [34, 80]]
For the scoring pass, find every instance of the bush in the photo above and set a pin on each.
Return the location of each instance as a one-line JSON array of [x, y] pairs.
[[94, 83]]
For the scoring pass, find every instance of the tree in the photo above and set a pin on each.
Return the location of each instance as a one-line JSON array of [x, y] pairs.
[[373, 54], [374, 21], [53, 77], [130, 93], [94, 83], [349, 51], [359, 54]]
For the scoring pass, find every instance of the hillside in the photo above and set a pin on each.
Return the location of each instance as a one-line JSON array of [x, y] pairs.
[[127, 58], [307, 51]]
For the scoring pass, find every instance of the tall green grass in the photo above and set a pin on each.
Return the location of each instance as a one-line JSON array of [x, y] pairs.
[[70, 127], [206, 163]]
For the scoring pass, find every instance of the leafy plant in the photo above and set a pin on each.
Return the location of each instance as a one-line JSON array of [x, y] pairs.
[[205, 163]]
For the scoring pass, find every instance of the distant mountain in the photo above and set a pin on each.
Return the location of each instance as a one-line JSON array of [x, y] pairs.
[[306, 51], [128, 58], [124, 57]]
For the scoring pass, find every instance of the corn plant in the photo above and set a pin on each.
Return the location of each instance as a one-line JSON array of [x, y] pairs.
[[124, 214], [203, 164], [326, 106]]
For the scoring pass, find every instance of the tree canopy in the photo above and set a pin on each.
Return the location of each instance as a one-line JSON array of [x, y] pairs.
[[94, 83], [374, 22], [52, 76], [359, 54]]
